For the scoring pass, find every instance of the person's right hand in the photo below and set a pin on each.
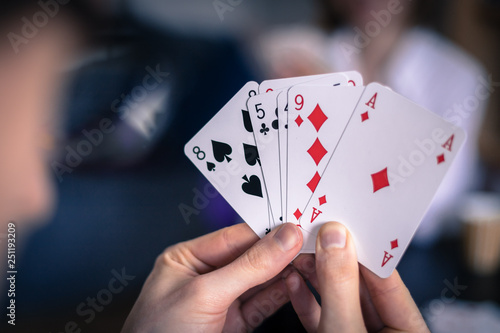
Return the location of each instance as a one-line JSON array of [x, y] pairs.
[[229, 281], [385, 305]]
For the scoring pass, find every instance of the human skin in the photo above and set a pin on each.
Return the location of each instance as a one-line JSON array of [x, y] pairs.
[[223, 280]]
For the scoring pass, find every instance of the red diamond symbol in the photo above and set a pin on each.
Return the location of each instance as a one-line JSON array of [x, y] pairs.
[[440, 159], [364, 116], [380, 180], [394, 244], [299, 120], [314, 182], [317, 117], [297, 214], [322, 200], [317, 151]]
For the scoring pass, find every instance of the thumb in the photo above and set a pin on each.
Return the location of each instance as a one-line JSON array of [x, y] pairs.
[[264, 260], [338, 278]]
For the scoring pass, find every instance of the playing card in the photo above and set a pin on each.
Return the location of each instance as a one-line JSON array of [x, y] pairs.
[[353, 79], [382, 176], [282, 106], [317, 119], [224, 151], [280, 84], [264, 116]]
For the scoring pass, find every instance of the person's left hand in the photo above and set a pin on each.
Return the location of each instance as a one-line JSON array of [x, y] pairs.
[[353, 299], [228, 280]]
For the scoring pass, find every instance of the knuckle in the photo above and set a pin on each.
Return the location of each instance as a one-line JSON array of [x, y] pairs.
[[256, 259], [339, 268], [165, 258], [228, 237], [171, 256], [306, 264], [377, 292]]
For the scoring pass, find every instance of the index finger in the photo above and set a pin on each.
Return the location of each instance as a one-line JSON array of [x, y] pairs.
[[217, 249]]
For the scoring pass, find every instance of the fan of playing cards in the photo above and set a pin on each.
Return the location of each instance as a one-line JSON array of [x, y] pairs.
[[321, 148]]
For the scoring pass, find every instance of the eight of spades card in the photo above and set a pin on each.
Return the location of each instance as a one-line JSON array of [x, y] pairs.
[[224, 151]]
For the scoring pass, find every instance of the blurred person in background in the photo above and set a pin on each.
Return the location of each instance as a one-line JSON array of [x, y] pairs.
[[40, 39], [63, 66], [386, 41], [30, 91]]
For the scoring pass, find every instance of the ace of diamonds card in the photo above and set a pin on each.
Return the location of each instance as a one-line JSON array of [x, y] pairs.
[[382, 176]]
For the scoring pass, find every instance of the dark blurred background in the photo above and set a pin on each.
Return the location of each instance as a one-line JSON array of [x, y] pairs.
[[119, 207]]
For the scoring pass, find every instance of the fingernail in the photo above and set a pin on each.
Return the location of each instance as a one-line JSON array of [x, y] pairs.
[[287, 237], [293, 282], [334, 236]]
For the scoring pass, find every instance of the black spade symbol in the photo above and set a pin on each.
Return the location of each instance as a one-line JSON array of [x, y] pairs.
[[252, 186], [275, 122], [210, 166], [246, 121], [221, 151], [251, 154]]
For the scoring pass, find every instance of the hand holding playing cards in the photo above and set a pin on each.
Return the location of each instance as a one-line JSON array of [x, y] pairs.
[[309, 150], [216, 282], [384, 305]]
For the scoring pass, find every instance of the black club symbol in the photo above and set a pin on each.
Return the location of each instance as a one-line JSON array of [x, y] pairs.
[[264, 129]]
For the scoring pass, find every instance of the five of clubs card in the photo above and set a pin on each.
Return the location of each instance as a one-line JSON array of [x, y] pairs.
[[314, 149]]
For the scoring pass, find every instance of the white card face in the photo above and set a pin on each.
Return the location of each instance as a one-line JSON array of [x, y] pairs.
[[224, 151], [282, 105], [263, 112], [279, 84], [353, 79], [383, 175], [317, 119]]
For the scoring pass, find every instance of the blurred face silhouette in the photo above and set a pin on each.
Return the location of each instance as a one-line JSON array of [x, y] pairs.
[[29, 86], [25, 192]]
